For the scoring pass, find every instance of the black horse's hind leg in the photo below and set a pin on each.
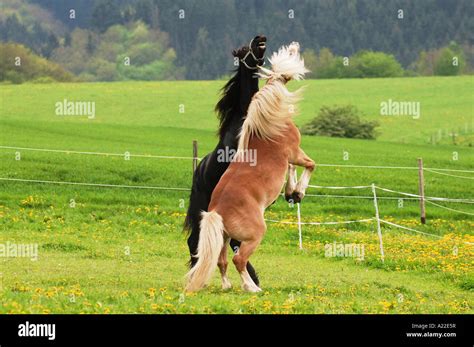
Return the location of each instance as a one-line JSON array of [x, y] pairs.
[[234, 244], [198, 202], [193, 241]]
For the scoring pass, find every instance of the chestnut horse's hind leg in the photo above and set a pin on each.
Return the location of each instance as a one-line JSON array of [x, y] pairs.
[[235, 245], [222, 263], [241, 258]]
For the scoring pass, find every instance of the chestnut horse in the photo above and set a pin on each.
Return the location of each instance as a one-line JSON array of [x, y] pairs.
[[246, 189], [231, 108]]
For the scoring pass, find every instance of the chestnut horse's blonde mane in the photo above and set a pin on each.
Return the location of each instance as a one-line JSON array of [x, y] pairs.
[[273, 105]]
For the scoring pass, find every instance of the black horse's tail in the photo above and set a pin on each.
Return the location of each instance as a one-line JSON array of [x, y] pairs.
[[191, 229], [198, 202], [191, 222], [194, 210], [187, 224]]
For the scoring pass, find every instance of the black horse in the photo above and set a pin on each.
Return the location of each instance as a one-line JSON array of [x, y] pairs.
[[231, 109]]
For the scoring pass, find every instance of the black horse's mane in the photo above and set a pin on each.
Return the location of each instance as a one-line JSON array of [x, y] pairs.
[[228, 102]]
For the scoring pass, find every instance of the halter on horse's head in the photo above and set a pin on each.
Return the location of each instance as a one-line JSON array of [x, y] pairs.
[[253, 55]]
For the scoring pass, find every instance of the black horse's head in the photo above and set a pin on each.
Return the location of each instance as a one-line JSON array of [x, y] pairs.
[[238, 91], [253, 54]]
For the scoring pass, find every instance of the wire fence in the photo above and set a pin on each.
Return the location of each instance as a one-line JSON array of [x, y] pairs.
[[299, 223], [105, 185], [126, 153], [449, 208], [322, 223], [405, 195], [66, 151], [449, 175]]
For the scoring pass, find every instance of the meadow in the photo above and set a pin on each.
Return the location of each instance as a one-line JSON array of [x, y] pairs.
[[122, 250]]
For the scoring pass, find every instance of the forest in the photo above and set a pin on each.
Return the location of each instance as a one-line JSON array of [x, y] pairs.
[[166, 39]]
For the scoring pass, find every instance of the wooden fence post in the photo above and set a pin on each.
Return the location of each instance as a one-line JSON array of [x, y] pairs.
[[195, 155], [421, 190]]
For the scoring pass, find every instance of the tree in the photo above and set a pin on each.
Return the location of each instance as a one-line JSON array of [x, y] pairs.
[[322, 65], [51, 45], [121, 53], [74, 57], [343, 27], [202, 64], [424, 65], [376, 64], [67, 39], [143, 11], [450, 61], [311, 62], [445, 61], [105, 14], [90, 43], [360, 65], [32, 67], [326, 66]]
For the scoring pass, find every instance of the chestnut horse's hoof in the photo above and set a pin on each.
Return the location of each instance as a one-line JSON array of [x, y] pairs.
[[252, 288], [295, 197], [226, 285]]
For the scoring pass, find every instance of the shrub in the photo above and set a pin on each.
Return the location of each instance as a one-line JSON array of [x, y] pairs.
[[33, 67], [446, 66], [376, 64], [340, 121], [43, 80], [445, 61], [364, 64]]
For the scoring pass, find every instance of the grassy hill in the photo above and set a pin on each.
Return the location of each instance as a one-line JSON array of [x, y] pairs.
[[122, 250], [445, 102]]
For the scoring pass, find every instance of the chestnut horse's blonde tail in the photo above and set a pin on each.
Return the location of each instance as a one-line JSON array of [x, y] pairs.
[[211, 241]]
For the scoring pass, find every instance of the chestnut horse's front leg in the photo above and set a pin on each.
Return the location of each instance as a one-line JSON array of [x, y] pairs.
[[301, 159], [290, 183]]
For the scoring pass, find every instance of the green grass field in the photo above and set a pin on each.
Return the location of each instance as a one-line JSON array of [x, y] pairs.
[[121, 250]]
